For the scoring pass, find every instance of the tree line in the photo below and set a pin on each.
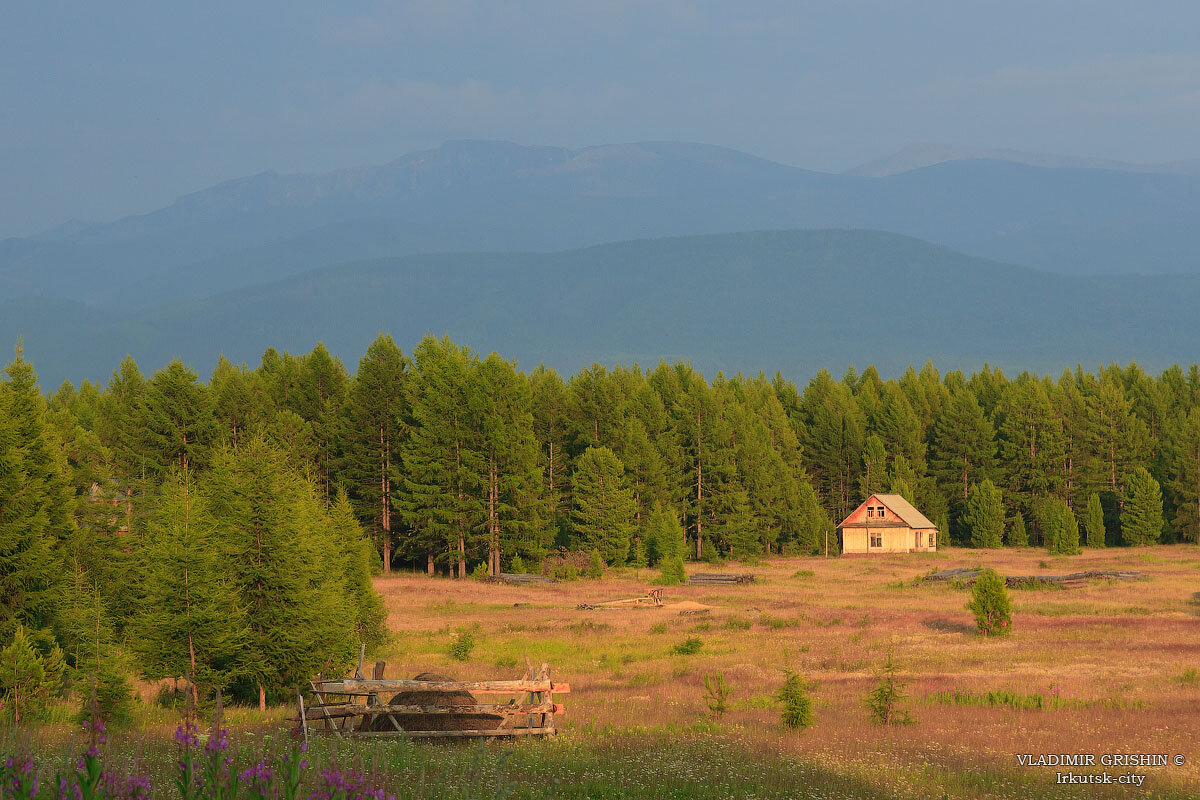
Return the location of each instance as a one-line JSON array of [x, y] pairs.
[[448, 461]]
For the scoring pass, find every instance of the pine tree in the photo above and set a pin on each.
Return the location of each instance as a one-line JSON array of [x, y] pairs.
[[604, 508], [833, 441], [1142, 516], [1119, 438], [1031, 443], [1183, 453], [371, 439], [515, 516], [985, 515], [964, 444], [446, 474], [875, 474], [1093, 522]]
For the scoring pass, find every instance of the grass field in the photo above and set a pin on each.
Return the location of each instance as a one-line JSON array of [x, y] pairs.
[[1113, 667]]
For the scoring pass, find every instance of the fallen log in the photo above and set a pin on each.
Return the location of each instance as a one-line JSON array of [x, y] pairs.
[[651, 598], [1072, 579], [520, 578], [719, 579]]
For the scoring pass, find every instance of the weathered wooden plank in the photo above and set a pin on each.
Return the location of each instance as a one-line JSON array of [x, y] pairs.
[[355, 686], [452, 734]]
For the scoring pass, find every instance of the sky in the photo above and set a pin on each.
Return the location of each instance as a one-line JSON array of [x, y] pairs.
[[111, 109]]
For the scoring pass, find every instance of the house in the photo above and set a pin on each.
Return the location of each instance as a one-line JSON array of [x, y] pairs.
[[887, 523]]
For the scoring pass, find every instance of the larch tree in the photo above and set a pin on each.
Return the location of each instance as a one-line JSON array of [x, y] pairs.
[[289, 577], [189, 619], [1184, 457]]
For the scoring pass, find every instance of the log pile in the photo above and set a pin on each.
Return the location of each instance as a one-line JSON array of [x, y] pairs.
[[1072, 579], [430, 706], [719, 579]]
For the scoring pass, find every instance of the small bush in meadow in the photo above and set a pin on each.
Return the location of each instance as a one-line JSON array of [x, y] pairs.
[[716, 694], [481, 572], [803, 573], [462, 643], [797, 711], [991, 604], [672, 572], [885, 699], [595, 567], [737, 624], [689, 646]]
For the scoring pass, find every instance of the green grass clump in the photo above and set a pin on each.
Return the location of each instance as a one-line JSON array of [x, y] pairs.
[[689, 646], [737, 624], [1189, 677], [461, 644]]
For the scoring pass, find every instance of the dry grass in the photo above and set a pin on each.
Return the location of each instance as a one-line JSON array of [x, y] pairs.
[[1106, 658]]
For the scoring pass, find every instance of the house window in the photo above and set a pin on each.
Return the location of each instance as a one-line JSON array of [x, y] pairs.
[[876, 539], [931, 538], [919, 536]]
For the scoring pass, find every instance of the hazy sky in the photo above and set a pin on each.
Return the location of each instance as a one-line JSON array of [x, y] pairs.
[[108, 109]]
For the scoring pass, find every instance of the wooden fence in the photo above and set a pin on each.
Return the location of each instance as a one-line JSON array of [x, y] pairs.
[[443, 709]]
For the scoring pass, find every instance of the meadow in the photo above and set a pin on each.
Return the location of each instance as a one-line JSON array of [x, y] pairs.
[[1111, 667]]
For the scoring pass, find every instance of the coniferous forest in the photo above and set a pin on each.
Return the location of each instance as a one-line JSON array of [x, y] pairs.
[[227, 529]]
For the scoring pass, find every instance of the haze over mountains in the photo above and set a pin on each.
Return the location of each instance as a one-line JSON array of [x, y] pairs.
[[284, 260]]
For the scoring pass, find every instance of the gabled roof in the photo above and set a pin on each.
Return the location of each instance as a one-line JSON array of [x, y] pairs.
[[901, 508]]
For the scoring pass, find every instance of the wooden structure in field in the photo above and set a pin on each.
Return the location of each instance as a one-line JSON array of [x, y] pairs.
[[719, 579], [431, 706], [887, 523]]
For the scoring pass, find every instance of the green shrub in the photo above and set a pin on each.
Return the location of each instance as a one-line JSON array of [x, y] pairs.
[[22, 678], [689, 646], [481, 572], [991, 604], [1017, 535], [797, 711], [671, 571], [595, 567], [885, 699], [114, 695], [517, 566], [737, 624], [462, 642], [803, 573], [716, 694]]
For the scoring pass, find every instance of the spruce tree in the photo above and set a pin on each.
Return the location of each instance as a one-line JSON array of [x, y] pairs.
[[22, 677], [1183, 454], [1142, 516], [664, 535], [985, 515], [604, 511], [1093, 522]]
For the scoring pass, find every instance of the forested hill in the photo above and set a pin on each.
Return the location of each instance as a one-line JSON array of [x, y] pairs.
[[495, 196], [790, 301]]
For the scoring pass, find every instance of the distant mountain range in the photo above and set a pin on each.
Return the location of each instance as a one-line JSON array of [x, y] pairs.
[[795, 301], [500, 197], [916, 156]]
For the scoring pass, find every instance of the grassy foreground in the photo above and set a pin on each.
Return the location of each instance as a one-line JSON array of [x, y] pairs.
[[1106, 668]]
